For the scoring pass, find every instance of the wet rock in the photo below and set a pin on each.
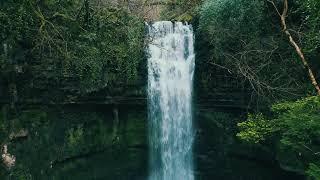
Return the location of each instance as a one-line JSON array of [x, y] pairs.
[[7, 159]]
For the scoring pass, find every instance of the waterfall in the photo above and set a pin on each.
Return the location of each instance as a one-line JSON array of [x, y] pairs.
[[170, 75]]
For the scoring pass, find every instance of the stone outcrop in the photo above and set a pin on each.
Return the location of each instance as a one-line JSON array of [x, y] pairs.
[[7, 159]]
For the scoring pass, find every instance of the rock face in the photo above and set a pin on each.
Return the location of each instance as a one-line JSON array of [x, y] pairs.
[[93, 142], [79, 142], [104, 146]]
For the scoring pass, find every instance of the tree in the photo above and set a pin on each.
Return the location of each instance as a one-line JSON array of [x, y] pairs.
[[242, 39], [283, 17]]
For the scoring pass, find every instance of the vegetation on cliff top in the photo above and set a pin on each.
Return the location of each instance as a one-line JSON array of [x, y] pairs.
[[96, 45]]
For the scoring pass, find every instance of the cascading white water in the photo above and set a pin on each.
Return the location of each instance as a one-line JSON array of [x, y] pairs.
[[170, 75]]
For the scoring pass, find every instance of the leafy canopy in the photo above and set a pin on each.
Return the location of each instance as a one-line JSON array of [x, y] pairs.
[[98, 45]]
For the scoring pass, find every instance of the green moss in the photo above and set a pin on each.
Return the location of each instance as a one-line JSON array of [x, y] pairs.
[[135, 130]]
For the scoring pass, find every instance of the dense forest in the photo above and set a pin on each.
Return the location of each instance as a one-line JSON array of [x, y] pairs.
[[73, 87]]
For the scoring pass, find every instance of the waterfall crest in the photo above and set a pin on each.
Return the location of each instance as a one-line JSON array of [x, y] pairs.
[[170, 76]]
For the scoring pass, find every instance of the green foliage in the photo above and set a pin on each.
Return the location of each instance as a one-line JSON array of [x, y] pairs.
[[294, 129], [311, 15], [75, 137], [228, 21], [181, 10], [256, 129], [99, 46], [313, 171], [234, 30], [299, 122], [111, 53]]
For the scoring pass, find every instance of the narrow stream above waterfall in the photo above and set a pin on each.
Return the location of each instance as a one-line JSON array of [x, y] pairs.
[[170, 75]]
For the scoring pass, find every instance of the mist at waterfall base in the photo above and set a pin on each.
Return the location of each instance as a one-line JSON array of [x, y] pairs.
[[170, 75]]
